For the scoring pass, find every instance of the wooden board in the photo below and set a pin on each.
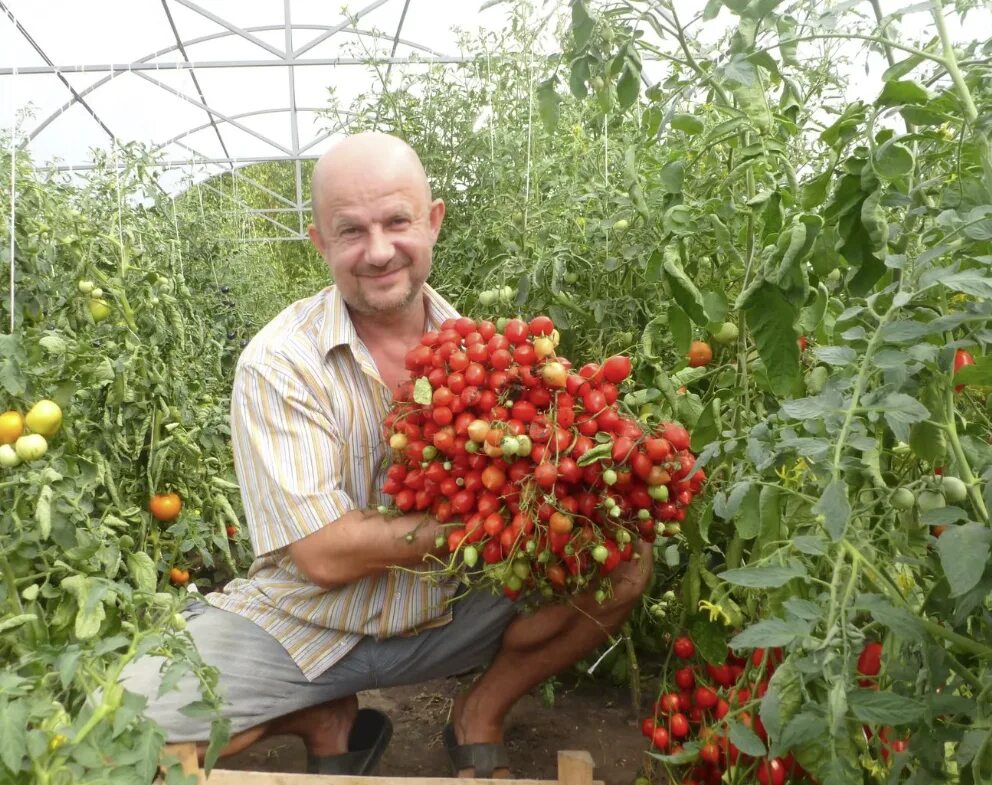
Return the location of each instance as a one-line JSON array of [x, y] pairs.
[[574, 768]]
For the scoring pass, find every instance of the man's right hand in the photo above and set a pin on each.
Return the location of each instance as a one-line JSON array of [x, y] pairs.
[[362, 543]]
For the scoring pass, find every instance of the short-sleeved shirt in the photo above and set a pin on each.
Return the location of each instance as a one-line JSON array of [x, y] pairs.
[[307, 410]]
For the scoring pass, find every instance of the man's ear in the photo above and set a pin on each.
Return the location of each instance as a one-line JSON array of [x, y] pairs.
[[315, 238], [435, 218]]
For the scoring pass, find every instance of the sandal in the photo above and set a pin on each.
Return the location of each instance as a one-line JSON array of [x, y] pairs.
[[367, 741], [483, 759]]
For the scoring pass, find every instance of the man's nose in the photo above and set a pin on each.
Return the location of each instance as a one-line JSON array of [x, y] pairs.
[[380, 247]]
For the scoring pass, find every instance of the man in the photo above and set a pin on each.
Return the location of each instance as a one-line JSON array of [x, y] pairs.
[[323, 613]]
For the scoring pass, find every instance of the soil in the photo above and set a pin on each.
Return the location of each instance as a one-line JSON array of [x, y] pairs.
[[592, 717]]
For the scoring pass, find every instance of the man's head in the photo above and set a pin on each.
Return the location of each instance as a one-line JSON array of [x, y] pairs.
[[375, 223]]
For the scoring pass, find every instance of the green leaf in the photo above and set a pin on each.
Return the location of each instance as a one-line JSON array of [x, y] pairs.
[[972, 282], [783, 699], [13, 733], [900, 69], [901, 411], [43, 512], [716, 306], [629, 84], [884, 708], [422, 391], [548, 103], [902, 622], [706, 429], [770, 317], [980, 373], [671, 176], [893, 159], [771, 632], [766, 576], [709, 637], [683, 289], [745, 739], [687, 123], [804, 728], [142, 571], [220, 733], [578, 77], [725, 505], [582, 24], [835, 508], [902, 92], [680, 329], [964, 553]]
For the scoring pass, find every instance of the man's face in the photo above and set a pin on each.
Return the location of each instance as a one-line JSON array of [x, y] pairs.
[[376, 233]]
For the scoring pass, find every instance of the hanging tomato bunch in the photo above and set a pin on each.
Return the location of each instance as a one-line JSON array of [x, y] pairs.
[[531, 464]]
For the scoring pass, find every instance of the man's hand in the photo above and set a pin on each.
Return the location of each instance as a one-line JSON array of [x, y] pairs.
[[362, 543]]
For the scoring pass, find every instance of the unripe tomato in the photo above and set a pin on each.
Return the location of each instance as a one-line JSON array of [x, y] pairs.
[[8, 456], [11, 427], [700, 354], [165, 506], [726, 333], [99, 310], [903, 499], [954, 490], [45, 417], [86, 287], [31, 447]]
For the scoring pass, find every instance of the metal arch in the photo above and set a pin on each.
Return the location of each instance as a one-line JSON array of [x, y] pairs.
[[239, 116], [335, 29], [121, 69], [192, 72]]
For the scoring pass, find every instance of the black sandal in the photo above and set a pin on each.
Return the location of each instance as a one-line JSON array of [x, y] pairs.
[[483, 758], [367, 741]]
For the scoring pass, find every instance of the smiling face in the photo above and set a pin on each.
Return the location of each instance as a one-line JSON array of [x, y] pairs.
[[375, 223]]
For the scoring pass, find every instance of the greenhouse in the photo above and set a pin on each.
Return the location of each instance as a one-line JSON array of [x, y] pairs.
[[566, 391]]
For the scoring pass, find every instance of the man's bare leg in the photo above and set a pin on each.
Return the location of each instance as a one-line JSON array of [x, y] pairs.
[[537, 646], [324, 729]]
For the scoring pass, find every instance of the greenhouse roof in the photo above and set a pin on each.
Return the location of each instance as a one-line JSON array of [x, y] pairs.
[[207, 83]]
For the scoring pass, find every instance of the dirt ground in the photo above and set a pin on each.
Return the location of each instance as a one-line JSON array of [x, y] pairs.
[[592, 717]]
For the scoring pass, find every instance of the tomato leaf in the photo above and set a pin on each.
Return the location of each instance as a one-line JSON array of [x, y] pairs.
[[902, 622], [767, 576], [804, 728], [687, 123], [770, 317], [548, 103], [745, 739], [771, 632], [898, 93], [884, 708], [13, 733], [893, 159], [709, 637], [725, 504], [679, 328], [964, 552], [835, 508]]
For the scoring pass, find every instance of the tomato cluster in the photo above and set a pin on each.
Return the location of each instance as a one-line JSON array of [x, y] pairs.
[[531, 463], [708, 696]]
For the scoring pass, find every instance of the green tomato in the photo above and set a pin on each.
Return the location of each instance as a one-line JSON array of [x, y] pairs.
[[521, 568], [86, 287], [8, 456], [816, 378], [31, 447], [609, 477], [470, 556], [600, 596], [488, 297], [619, 226], [600, 553], [726, 333], [506, 294], [99, 310], [571, 277], [658, 492], [930, 500], [903, 499], [954, 490]]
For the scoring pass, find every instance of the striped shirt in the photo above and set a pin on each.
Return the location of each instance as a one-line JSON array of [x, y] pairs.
[[306, 423]]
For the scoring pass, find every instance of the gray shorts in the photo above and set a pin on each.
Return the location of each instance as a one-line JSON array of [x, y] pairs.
[[259, 681]]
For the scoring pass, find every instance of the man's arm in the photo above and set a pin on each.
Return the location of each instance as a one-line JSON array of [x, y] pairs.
[[362, 543]]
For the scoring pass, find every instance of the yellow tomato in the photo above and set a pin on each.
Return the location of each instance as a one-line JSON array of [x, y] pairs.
[[45, 418], [11, 427]]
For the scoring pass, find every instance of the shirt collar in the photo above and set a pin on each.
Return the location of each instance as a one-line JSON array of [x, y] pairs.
[[338, 329]]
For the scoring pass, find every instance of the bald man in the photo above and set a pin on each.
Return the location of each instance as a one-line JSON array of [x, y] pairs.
[[326, 610]]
